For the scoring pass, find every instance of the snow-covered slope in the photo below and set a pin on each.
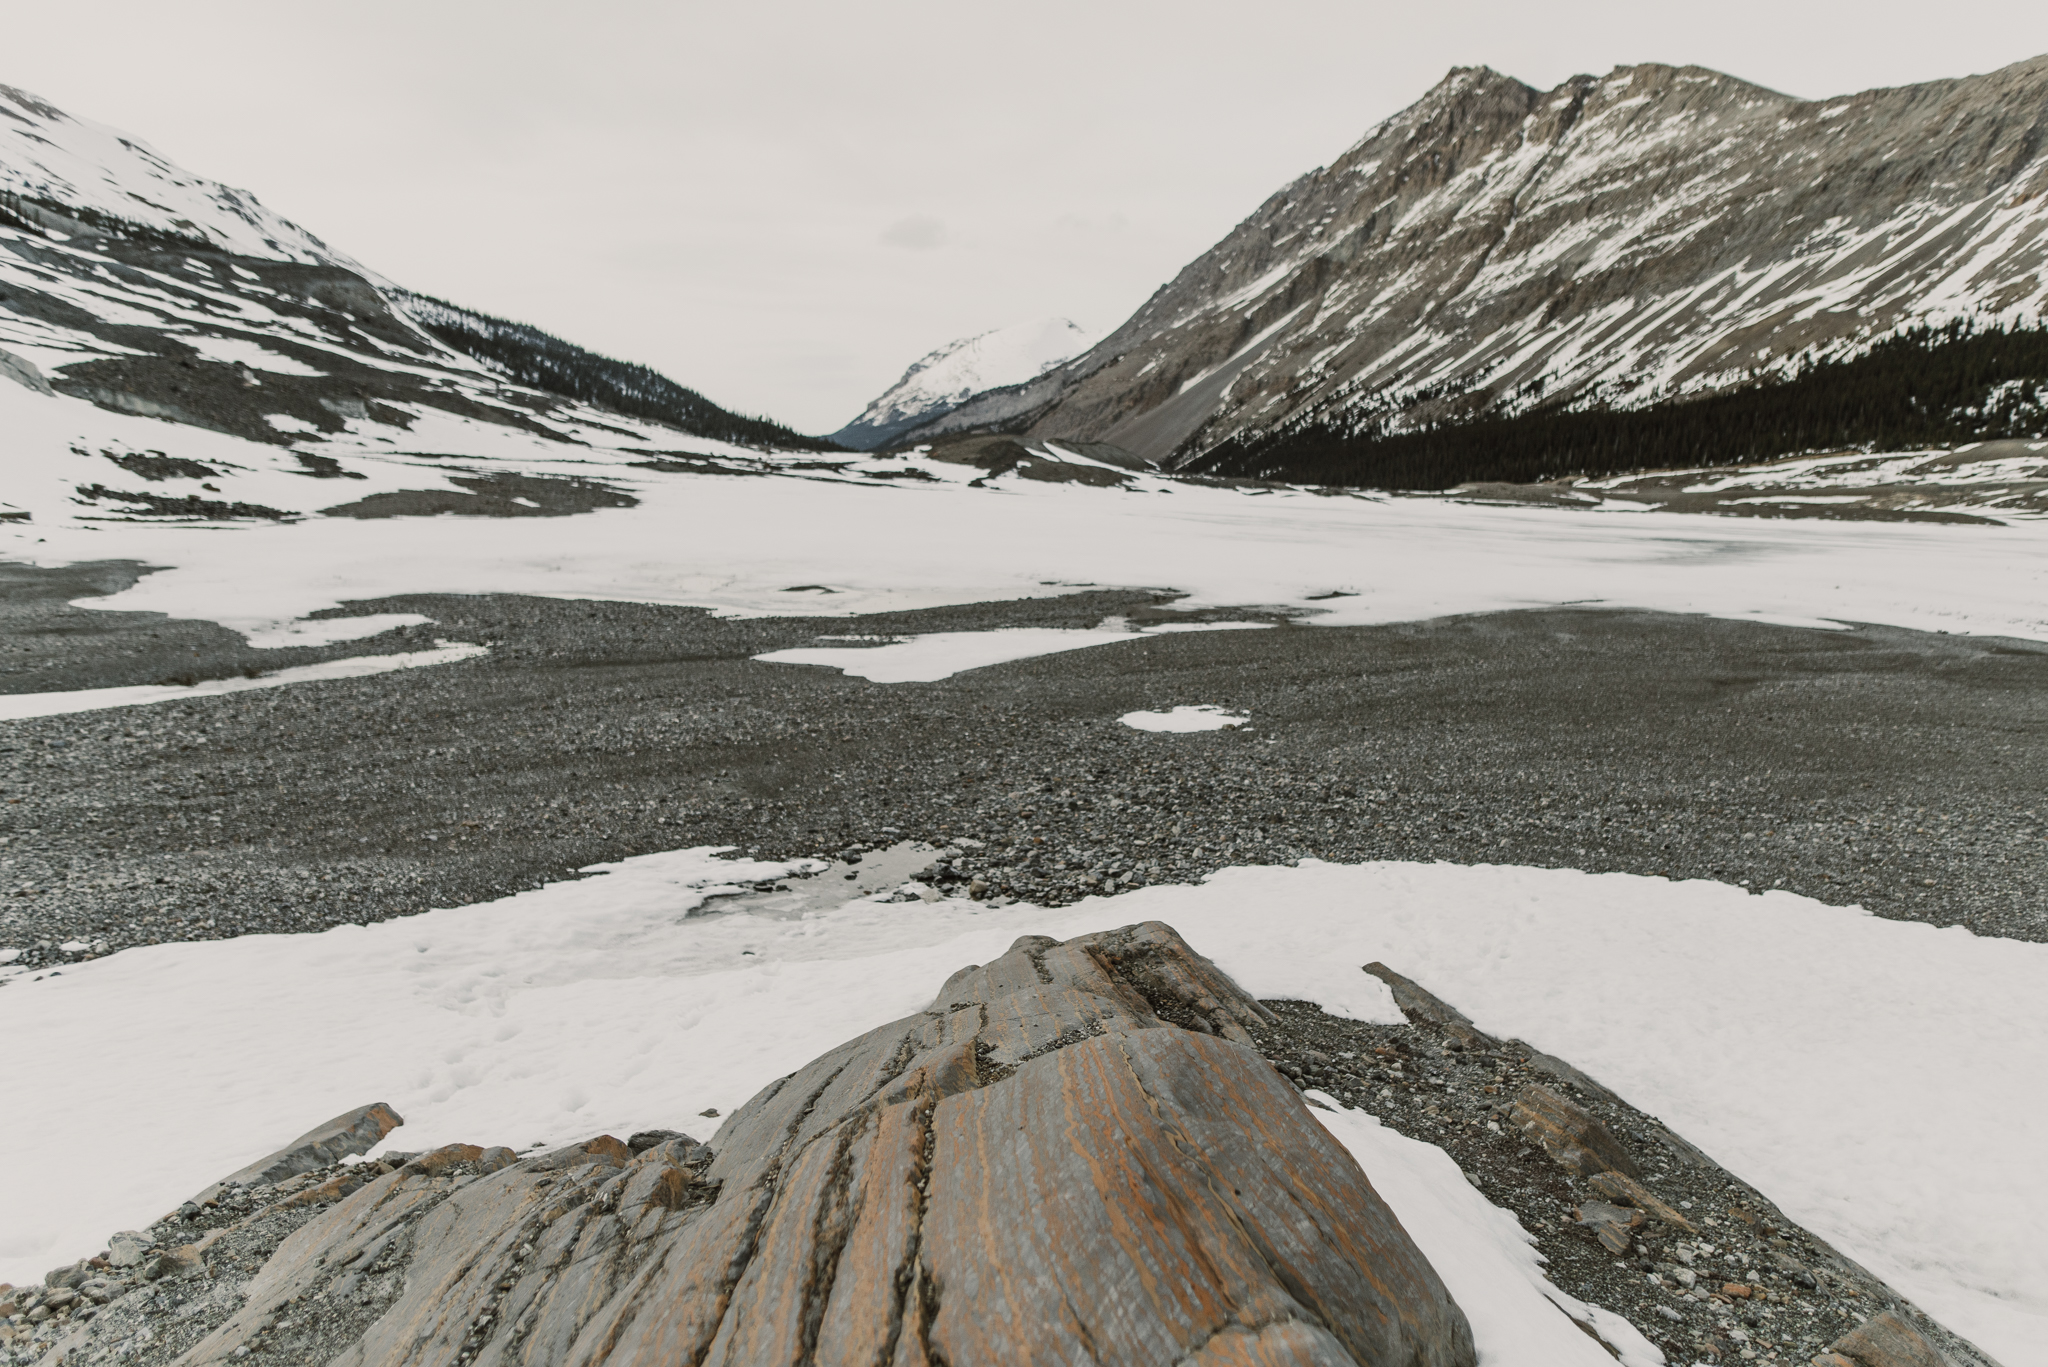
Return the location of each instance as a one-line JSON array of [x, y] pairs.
[[1655, 232], [174, 356], [936, 384], [207, 364], [48, 155], [170, 350]]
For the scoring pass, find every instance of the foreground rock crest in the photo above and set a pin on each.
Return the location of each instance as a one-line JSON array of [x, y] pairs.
[[1069, 1156]]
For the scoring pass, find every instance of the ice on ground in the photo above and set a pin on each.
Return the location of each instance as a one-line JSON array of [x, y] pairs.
[[942, 654], [1487, 1260], [737, 545], [1202, 717], [16, 706], [1819, 1052]]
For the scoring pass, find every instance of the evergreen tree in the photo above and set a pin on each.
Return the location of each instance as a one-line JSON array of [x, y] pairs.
[[1921, 388], [526, 355]]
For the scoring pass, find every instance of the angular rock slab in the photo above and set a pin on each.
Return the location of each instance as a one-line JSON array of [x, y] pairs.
[[1069, 1157], [1133, 1199], [1886, 1339], [1419, 1003], [351, 1132], [1578, 1142]]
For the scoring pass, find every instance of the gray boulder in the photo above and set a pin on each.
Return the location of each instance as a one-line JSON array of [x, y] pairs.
[[1070, 1155]]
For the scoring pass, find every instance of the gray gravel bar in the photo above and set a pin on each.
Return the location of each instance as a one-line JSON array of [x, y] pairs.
[[1895, 769]]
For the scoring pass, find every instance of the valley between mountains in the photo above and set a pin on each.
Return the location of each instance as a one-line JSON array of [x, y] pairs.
[[1518, 680]]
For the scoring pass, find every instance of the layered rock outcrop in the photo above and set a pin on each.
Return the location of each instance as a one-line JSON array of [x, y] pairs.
[[1072, 1155]]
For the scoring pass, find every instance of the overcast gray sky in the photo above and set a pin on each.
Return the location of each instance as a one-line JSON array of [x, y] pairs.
[[783, 205]]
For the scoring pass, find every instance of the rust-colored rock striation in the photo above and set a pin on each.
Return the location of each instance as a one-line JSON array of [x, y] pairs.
[[1070, 1156], [1886, 1339]]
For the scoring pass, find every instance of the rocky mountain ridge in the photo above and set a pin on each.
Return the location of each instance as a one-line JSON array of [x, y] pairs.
[[148, 291], [1657, 233]]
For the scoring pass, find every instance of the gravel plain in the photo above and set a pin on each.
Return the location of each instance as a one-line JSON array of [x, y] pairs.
[[1899, 770], [1739, 1280]]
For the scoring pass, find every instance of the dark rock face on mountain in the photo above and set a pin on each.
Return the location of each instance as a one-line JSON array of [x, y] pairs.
[[1073, 1154], [1653, 233]]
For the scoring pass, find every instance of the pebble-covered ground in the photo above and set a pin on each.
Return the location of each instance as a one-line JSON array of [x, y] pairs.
[[1743, 1283], [1896, 769]]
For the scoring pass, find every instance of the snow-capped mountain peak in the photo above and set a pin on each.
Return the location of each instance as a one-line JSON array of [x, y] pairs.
[[949, 375]]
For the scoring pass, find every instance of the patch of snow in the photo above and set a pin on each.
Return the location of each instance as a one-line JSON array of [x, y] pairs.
[[942, 654], [1803, 498], [46, 153], [16, 706], [239, 350], [1257, 341], [1203, 717], [1801, 1013]]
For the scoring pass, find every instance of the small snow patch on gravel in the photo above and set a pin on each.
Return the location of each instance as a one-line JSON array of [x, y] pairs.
[[17, 706], [1201, 718]]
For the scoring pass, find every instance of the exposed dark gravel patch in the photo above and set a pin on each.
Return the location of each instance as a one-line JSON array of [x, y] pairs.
[[144, 503], [1896, 769], [493, 495], [48, 646], [1746, 1281]]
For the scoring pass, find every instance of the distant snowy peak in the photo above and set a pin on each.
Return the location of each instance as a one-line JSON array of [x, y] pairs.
[[947, 377], [47, 155]]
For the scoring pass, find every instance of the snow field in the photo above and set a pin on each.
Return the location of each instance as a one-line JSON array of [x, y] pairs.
[[1873, 1077], [738, 545], [46, 152]]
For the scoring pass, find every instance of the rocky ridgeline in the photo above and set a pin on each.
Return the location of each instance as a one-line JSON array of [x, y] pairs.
[[1493, 244], [939, 1191]]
